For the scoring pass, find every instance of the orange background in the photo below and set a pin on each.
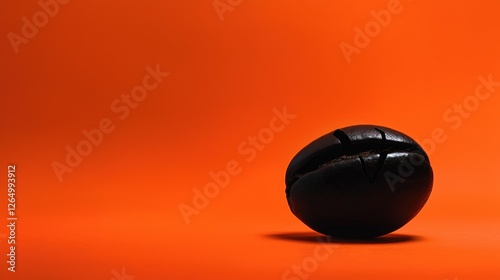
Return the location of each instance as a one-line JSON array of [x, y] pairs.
[[118, 209]]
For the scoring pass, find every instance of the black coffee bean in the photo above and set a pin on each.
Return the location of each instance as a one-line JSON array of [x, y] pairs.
[[360, 181]]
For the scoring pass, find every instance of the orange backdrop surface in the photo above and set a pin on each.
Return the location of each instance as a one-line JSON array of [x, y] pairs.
[[118, 114]]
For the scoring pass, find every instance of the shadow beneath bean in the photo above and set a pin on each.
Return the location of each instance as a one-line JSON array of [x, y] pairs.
[[313, 237]]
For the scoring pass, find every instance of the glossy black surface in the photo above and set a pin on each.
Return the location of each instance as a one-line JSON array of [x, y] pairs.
[[359, 182]]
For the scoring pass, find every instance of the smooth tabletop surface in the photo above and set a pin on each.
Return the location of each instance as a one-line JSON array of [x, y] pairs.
[[151, 138]]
